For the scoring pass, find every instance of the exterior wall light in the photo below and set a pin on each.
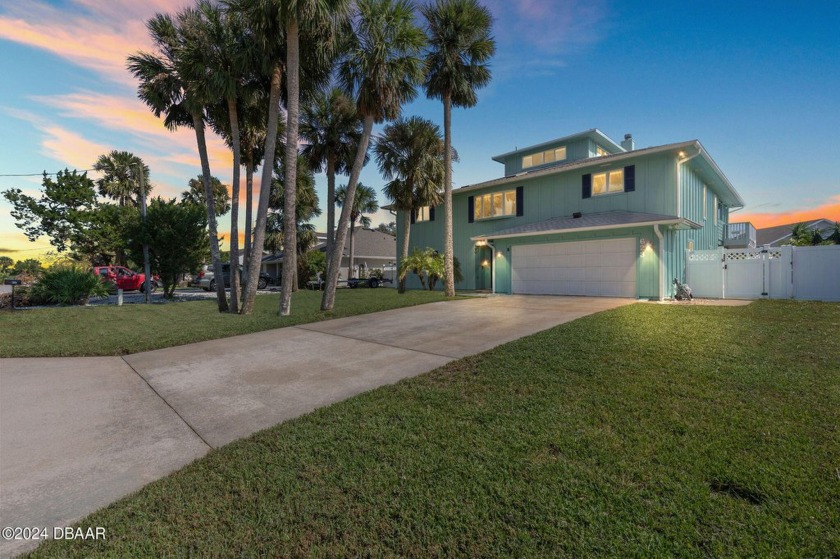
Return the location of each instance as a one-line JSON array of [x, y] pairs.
[[485, 263]]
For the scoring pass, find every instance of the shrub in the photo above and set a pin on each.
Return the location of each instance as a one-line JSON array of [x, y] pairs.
[[23, 298], [69, 285]]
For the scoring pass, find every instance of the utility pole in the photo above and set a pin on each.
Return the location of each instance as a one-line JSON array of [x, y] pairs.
[[147, 283]]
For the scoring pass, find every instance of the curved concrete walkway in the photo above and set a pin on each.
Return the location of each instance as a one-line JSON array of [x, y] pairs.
[[79, 433]]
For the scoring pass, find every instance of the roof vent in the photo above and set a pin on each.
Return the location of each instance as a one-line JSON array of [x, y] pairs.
[[628, 144], [576, 215]]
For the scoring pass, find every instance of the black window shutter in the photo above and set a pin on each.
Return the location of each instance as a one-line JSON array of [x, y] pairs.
[[630, 178], [587, 186], [470, 209], [520, 201], [431, 213], [413, 216]]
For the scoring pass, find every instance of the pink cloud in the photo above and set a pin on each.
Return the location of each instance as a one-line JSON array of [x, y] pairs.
[[99, 39]]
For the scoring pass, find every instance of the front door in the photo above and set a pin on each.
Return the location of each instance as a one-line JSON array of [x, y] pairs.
[[483, 267]]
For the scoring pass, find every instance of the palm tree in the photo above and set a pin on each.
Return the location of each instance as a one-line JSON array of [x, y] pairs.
[[166, 88], [802, 235], [410, 154], [456, 65], [332, 130], [278, 26], [834, 236], [119, 179], [307, 208], [221, 57], [382, 67], [364, 202], [195, 195]]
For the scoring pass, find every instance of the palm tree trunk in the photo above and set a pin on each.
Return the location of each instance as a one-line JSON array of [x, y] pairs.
[[265, 183], [234, 208], [215, 257], [330, 208], [352, 268], [448, 256], [249, 194], [406, 215], [290, 178], [328, 300]]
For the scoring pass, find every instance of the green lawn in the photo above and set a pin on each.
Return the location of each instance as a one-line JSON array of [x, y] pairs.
[[112, 330], [646, 431]]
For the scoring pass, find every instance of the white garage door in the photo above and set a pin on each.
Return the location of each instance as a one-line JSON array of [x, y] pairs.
[[604, 268]]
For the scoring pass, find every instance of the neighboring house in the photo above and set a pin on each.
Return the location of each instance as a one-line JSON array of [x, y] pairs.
[[272, 264], [780, 234], [584, 215], [373, 249]]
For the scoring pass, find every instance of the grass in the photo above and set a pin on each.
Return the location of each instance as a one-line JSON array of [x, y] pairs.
[[645, 431], [112, 330]]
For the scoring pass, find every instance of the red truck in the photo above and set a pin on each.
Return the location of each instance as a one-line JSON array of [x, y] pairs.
[[122, 278]]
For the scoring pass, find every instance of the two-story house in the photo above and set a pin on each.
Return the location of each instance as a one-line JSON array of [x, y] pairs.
[[584, 215]]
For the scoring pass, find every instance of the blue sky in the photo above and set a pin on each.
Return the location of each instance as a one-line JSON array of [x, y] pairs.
[[758, 83]]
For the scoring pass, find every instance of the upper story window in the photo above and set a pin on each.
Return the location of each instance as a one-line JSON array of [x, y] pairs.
[[423, 214], [496, 204], [600, 152], [606, 183], [549, 156]]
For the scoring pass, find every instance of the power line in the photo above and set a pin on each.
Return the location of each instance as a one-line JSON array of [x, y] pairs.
[[45, 173]]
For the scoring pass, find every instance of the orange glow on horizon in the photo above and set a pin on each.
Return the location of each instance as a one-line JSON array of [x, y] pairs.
[[760, 220]]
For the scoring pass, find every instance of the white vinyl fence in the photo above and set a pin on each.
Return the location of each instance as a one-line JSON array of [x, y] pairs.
[[786, 272]]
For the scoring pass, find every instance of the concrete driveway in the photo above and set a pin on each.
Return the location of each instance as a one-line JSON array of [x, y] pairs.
[[79, 433]]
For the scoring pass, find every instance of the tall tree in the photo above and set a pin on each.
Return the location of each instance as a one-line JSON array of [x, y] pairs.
[[382, 68], [220, 56], [364, 202], [410, 155], [176, 234], [307, 208], [332, 131], [120, 177], [460, 45], [168, 86], [120, 181], [278, 26], [196, 195]]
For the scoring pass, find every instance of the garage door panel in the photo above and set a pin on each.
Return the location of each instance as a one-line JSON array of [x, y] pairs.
[[605, 267]]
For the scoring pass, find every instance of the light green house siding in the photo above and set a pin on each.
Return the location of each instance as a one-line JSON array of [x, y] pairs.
[[666, 184]]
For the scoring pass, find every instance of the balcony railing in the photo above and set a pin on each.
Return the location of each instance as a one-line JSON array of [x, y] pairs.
[[739, 235]]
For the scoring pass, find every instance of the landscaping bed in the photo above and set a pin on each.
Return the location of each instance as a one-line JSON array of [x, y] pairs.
[[645, 431]]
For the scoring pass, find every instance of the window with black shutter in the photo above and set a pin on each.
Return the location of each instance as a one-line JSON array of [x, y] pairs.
[[586, 186]]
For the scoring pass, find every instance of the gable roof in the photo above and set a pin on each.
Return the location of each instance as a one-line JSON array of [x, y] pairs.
[[589, 222], [592, 134], [778, 233], [704, 163]]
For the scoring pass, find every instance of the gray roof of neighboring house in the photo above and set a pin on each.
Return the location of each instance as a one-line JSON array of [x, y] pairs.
[[773, 235], [590, 222], [368, 243]]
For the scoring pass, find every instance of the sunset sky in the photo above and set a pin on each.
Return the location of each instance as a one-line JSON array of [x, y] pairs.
[[758, 83]]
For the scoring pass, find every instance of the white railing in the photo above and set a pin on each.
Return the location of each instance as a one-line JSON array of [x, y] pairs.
[[740, 235]]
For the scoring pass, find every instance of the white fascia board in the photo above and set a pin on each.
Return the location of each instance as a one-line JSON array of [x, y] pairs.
[[691, 224]]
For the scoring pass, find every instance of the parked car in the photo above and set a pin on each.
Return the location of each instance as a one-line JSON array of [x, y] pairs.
[[121, 277], [206, 280]]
